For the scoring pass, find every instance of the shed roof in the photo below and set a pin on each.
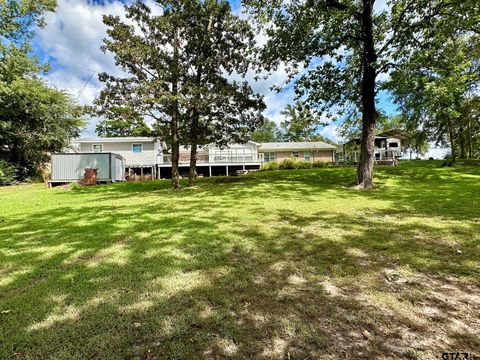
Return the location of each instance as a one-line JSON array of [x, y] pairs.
[[304, 145]]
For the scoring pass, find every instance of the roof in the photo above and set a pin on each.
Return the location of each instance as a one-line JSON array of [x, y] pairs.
[[393, 133], [396, 133], [115, 139], [305, 145]]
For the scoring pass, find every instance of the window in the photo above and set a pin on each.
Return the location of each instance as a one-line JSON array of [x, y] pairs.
[[97, 148], [136, 148], [393, 145], [306, 155], [295, 154], [269, 156]]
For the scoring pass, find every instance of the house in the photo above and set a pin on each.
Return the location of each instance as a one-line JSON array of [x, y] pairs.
[[307, 151], [213, 160], [148, 158], [141, 154], [390, 146]]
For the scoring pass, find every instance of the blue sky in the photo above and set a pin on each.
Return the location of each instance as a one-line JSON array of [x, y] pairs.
[[71, 44]]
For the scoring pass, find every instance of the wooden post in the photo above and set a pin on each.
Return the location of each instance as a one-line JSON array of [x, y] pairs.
[[159, 172], [210, 170], [227, 170], [141, 173]]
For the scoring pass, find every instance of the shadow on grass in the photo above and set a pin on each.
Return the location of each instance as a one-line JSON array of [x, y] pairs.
[[289, 264]]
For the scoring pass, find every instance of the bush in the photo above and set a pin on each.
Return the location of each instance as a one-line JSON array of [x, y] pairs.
[[320, 164], [7, 173], [287, 164], [272, 165], [303, 164]]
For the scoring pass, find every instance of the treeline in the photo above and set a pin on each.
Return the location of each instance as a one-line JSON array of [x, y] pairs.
[[299, 124]]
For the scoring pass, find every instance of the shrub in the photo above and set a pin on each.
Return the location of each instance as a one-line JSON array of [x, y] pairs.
[[272, 165], [287, 164], [303, 164], [319, 164], [7, 173]]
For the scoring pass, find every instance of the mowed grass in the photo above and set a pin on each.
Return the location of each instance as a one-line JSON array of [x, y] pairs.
[[274, 265]]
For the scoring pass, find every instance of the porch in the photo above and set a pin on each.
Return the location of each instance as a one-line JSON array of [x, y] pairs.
[[381, 156]]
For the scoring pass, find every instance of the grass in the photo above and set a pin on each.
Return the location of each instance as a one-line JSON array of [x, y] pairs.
[[283, 264]]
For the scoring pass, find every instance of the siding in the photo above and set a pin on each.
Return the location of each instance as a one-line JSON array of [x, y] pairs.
[[72, 166], [146, 157], [318, 155]]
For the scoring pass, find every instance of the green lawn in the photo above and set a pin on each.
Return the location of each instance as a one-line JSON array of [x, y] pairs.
[[275, 265]]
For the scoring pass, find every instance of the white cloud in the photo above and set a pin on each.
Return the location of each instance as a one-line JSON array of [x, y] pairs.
[[72, 40], [330, 131]]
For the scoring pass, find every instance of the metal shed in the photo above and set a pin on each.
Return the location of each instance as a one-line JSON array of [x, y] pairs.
[[70, 167]]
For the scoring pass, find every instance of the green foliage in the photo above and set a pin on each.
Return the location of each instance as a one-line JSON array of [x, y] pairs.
[[320, 164], [271, 165], [19, 17], [7, 173], [337, 53], [267, 132], [299, 124], [287, 164], [435, 86], [125, 126], [35, 119], [177, 71], [300, 164]]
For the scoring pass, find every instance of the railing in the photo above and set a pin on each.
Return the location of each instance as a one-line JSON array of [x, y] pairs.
[[217, 159], [380, 154]]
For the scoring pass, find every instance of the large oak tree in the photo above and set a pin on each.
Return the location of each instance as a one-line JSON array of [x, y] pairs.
[[338, 51]]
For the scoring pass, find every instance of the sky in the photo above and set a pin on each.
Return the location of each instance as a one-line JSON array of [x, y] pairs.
[[71, 44]]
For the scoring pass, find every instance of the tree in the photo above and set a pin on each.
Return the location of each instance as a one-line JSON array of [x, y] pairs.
[[35, 119], [218, 110], [299, 123], [268, 132], [126, 124], [434, 89], [336, 50], [177, 64], [152, 53]]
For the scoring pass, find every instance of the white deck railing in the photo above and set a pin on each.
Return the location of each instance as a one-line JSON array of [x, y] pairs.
[[380, 154], [218, 159]]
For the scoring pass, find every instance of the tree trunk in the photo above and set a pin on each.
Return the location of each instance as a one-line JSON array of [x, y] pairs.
[[193, 151], [452, 141], [462, 143], [369, 112], [469, 138], [175, 151], [194, 128], [175, 119]]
